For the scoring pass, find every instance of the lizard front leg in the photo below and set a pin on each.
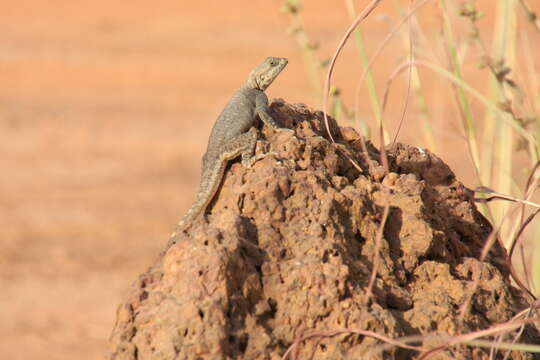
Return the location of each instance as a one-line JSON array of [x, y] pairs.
[[262, 109]]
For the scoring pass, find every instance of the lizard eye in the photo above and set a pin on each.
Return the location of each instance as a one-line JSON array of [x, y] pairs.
[[273, 62]]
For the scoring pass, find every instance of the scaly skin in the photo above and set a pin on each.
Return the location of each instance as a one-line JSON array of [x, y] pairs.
[[234, 134]]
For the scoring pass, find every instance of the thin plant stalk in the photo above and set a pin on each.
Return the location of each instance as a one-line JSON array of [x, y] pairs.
[[307, 47], [416, 83], [328, 81], [466, 87], [463, 101], [504, 50], [370, 82]]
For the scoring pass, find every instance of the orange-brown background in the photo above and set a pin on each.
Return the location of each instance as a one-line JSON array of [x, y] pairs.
[[105, 109]]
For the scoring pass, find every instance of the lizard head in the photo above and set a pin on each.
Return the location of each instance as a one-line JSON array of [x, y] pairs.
[[264, 74]]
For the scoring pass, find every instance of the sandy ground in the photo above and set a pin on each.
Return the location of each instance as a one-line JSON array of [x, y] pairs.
[[105, 112]]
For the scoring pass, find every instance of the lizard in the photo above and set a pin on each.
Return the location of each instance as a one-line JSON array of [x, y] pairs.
[[234, 134]]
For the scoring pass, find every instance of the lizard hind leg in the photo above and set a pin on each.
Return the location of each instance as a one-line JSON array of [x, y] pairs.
[[213, 170], [244, 144], [248, 157], [247, 150]]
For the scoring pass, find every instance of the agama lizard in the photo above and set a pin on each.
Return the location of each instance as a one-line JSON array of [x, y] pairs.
[[234, 134]]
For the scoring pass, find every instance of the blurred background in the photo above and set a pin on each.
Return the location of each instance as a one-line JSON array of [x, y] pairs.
[[106, 107]]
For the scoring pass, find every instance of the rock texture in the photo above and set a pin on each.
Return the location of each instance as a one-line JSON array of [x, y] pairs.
[[288, 248]]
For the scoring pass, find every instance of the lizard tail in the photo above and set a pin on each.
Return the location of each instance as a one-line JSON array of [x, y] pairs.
[[207, 191]]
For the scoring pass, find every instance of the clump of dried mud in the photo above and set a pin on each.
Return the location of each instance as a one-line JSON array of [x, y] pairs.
[[288, 249]]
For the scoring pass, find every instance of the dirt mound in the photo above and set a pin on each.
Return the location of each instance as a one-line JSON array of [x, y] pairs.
[[288, 251]]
